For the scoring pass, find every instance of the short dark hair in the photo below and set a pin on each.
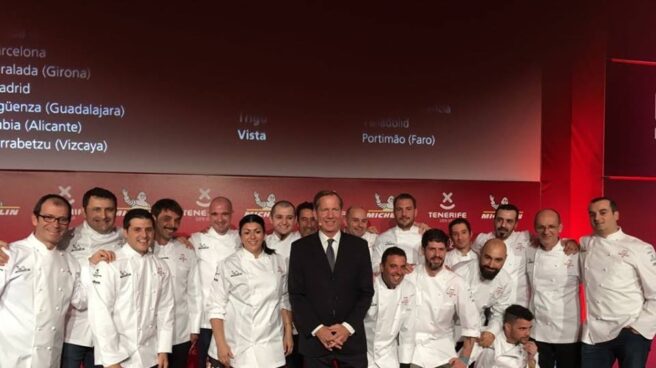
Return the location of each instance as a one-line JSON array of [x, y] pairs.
[[303, 206], [434, 235], [166, 204], [459, 220], [405, 196], [326, 193], [392, 251], [56, 199], [515, 312], [137, 213], [283, 203], [252, 218], [507, 207], [613, 205], [100, 193]]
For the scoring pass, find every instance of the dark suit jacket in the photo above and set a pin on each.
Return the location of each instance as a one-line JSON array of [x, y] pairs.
[[319, 296]]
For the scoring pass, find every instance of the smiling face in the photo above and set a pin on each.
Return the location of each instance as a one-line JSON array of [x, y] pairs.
[[548, 228], [460, 236], [283, 219], [167, 224], [220, 215], [405, 213], [392, 270], [329, 215], [48, 226], [139, 234], [100, 214], [602, 217], [252, 237], [434, 253], [356, 221]]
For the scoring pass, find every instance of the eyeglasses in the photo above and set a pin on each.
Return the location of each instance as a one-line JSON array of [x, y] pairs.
[[50, 219]]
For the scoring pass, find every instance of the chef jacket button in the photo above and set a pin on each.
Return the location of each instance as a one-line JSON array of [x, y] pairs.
[[56, 308], [604, 269], [52, 328], [60, 289], [38, 328], [49, 348], [61, 269]]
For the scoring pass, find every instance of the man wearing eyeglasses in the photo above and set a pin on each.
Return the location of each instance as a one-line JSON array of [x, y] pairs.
[[37, 285]]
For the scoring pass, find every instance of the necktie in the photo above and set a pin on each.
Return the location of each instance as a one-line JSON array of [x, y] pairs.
[[330, 254]]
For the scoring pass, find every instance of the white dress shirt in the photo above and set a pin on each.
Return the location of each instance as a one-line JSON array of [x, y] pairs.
[[248, 294], [282, 246], [427, 338], [212, 248], [554, 280], [619, 274], [408, 240], [382, 323], [84, 243], [131, 310], [503, 354], [516, 246], [37, 285], [463, 265], [183, 265]]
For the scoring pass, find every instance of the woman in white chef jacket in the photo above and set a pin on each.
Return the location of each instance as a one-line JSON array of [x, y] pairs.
[[248, 306]]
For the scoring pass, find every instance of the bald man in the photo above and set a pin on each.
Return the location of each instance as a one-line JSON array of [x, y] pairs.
[[357, 224], [213, 246], [491, 289], [554, 278]]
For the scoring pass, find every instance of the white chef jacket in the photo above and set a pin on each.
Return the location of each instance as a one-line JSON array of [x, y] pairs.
[[382, 323], [463, 266], [84, 242], [37, 286], [408, 240], [619, 274], [554, 280], [183, 265], [426, 339], [502, 354], [131, 309], [248, 294], [515, 264], [211, 248], [282, 247], [493, 294], [371, 240]]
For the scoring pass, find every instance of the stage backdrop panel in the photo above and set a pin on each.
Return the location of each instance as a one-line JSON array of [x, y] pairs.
[[438, 201]]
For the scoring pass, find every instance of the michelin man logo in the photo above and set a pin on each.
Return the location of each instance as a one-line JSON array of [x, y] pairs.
[[446, 199], [138, 202], [385, 206], [494, 204], [265, 205]]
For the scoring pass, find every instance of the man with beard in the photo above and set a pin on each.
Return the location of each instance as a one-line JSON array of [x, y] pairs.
[[427, 338], [357, 224], [213, 246], [513, 349], [390, 307], [307, 223], [554, 279], [37, 285], [183, 265], [97, 234], [619, 274], [461, 259], [490, 286], [283, 219], [405, 235]]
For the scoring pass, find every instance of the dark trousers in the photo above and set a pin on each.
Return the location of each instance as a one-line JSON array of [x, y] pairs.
[[204, 341], [336, 360], [75, 355], [179, 354], [295, 359], [630, 350], [560, 355]]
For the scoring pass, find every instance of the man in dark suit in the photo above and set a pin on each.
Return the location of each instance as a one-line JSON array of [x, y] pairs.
[[330, 289]]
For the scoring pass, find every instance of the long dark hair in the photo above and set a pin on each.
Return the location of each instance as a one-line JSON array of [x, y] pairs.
[[249, 219]]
